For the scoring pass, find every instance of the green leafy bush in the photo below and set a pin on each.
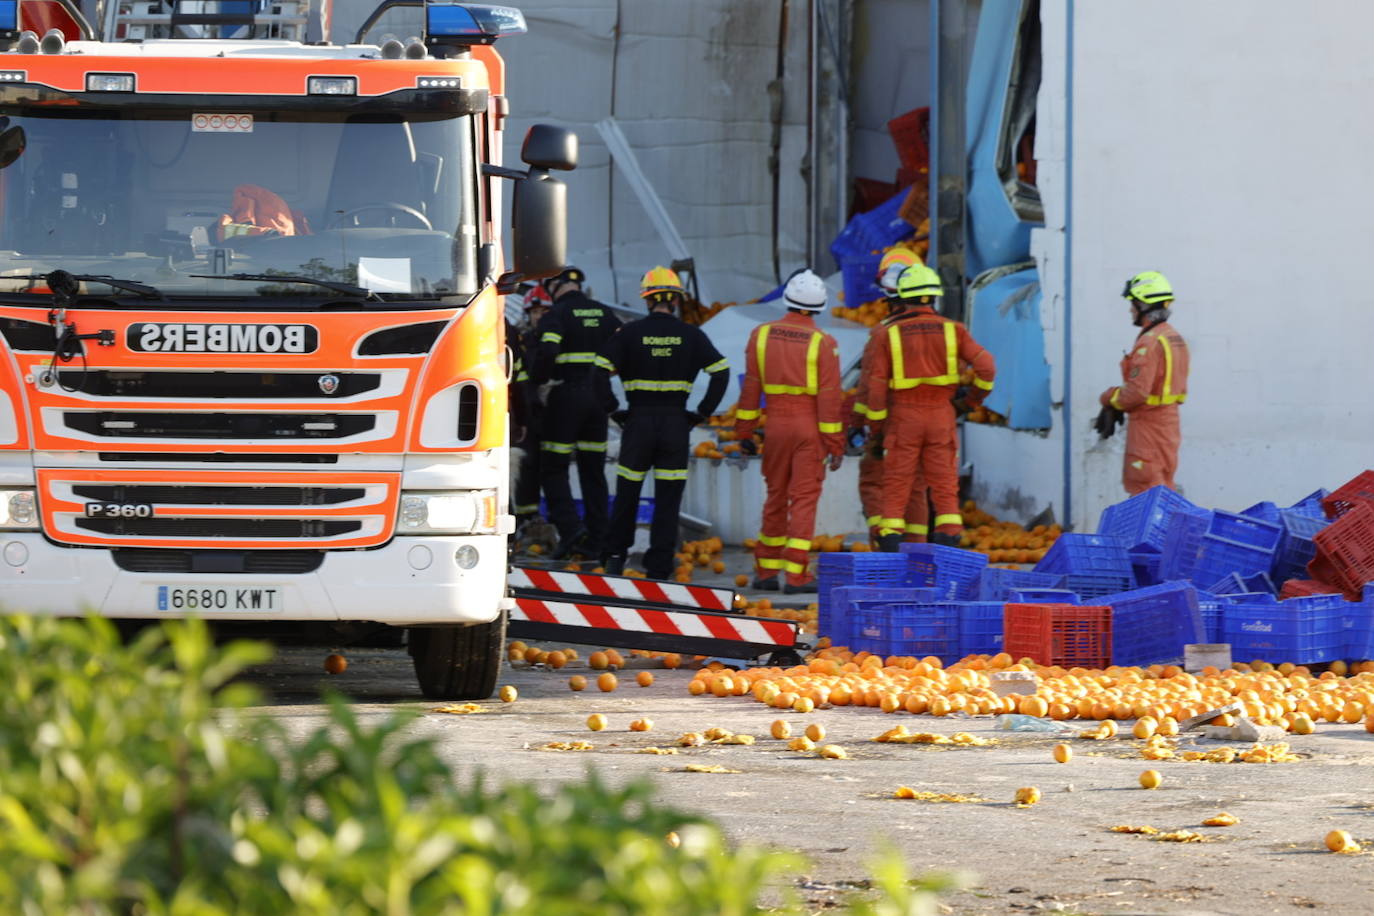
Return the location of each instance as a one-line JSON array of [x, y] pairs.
[[133, 781]]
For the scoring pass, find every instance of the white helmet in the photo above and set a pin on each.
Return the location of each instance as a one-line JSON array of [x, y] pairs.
[[805, 291]]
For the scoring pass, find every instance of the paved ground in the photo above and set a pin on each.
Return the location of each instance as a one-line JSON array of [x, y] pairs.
[[1057, 855]]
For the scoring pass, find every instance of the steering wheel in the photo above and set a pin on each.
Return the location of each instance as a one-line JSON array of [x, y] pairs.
[[340, 219]]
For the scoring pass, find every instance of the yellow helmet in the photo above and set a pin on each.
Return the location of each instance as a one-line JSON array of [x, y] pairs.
[[1149, 287], [659, 284], [919, 281]]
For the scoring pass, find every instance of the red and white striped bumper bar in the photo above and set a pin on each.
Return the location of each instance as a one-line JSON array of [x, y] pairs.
[[599, 616]]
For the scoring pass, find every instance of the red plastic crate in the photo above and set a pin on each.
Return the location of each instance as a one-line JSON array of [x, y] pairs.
[[1069, 635], [1322, 569], [1299, 588], [1347, 545], [1352, 493], [910, 133]]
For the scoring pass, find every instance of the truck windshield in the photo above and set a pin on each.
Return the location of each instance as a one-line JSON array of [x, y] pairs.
[[380, 200]]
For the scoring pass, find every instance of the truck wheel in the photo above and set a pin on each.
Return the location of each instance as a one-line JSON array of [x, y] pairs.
[[458, 663]]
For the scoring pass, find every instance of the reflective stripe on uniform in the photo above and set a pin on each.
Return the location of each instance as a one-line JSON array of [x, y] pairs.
[[813, 353], [670, 474], [918, 529], [900, 382], [526, 510], [876, 414], [1168, 396], [551, 337], [831, 427], [522, 376], [766, 541], [979, 383], [768, 563], [575, 358], [644, 384], [798, 544], [558, 448], [873, 520], [794, 568], [861, 409], [719, 365], [1114, 399], [953, 518], [629, 474], [604, 363], [892, 524], [591, 446], [747, 414]]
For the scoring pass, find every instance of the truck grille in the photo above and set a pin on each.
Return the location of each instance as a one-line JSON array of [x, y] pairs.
[[131, 425], [219, 496], [206, 513], [237, 528], [246, 562], [296, 386]]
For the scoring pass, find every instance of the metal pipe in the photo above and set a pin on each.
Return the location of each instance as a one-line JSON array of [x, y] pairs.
[[1067, 408], [810, 168]]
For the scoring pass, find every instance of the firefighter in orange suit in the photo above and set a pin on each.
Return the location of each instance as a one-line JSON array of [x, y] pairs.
[[914, 379], [871, 464], [797, 368], [1154, 381]]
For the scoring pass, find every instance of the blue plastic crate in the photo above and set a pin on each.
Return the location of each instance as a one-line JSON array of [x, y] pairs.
[[1217, 557], [951, 571], [1311, 505], [980, 627], [1145, 562], [1179, 556], [1245, 530], [1359, 626], [1143, 520], [1236, 584], [860, 279], [994, 582], [644, 515], [909, 628], [1297, 546], [1210, 607], [1264, 511], [1150, 626], [1087, 555], [849, 601], [837, 570], [1303, 631], [1041, 596], [873, 231]]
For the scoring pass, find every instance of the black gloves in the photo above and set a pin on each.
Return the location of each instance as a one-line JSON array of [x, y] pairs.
[[748, 447], [1108, 419], [696, 418], [619, 417]]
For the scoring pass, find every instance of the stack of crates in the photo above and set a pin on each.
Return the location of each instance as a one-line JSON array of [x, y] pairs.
[[1207, 546], [838, 570], [980, 627], [996, 583], [1143, 520], [1091, 564], [862, 614], [1304, 631], [912, 626], [1345, 549], [1152, 625], [1297, 544]]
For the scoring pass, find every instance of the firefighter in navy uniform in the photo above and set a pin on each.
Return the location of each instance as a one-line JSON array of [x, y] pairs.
[[658, 359], [570, 336], [527, 418]]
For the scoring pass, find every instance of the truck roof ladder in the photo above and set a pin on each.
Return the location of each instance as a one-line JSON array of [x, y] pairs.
[[136, 20]]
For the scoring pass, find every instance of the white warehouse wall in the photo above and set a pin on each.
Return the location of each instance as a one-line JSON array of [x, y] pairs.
[[1234, 157]]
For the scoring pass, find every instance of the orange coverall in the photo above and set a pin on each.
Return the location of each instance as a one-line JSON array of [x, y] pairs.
[[1154, 381], [871, 464], [915, 376], [798, 368]]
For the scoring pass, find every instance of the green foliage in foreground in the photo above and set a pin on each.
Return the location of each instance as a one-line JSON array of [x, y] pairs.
[[132, 780]]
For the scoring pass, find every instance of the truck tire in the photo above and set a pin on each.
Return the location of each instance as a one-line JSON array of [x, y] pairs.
[[458, 663]]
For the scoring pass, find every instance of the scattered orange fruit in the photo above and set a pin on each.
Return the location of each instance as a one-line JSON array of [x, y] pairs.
[[672, 660], [780, 729], [815, 731], [577, 682], [644, 678], [507, 694], [673, 839], [598, 661], [1220, 820], [607, 682], [1341, 841], [1150, 779], [596, 722], [741, 580], [1063, 753], [335, 663], [642, 725], [1027, 796]]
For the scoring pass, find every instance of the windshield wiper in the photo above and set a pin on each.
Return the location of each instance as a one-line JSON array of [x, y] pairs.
[[66, 286], [346, 289]]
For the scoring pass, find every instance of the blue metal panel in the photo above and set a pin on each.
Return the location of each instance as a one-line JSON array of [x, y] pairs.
[[1004, 316], [996, 235]]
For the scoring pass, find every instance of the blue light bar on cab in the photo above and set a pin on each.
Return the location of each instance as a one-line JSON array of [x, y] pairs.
[[9, 15], [466, 23]]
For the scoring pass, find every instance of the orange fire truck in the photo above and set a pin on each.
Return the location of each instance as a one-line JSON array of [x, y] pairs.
[[253, 360]]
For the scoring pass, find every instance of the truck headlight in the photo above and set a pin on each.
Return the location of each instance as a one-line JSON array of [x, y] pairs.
[[461, 512], [18, 510]]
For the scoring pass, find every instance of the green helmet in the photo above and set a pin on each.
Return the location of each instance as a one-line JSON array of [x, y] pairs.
[[918, 281], [1150, 287]]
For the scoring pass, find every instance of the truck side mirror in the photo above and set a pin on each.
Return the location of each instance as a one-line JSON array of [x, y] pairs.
[[539, 225], [549, 147]]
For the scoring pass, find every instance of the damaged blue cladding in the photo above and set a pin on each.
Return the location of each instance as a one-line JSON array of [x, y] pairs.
[[1004, 316]]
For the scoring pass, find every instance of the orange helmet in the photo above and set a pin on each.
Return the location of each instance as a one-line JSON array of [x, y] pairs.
[[660, 284], [891, 266]]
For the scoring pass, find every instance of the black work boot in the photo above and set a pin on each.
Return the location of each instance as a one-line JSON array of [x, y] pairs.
[[574, 543], [945, 540], [766, 585], [614, 564], [889, 543], [806, 588]]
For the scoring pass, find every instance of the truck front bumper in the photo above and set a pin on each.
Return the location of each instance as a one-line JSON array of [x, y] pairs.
[[411, 580]]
